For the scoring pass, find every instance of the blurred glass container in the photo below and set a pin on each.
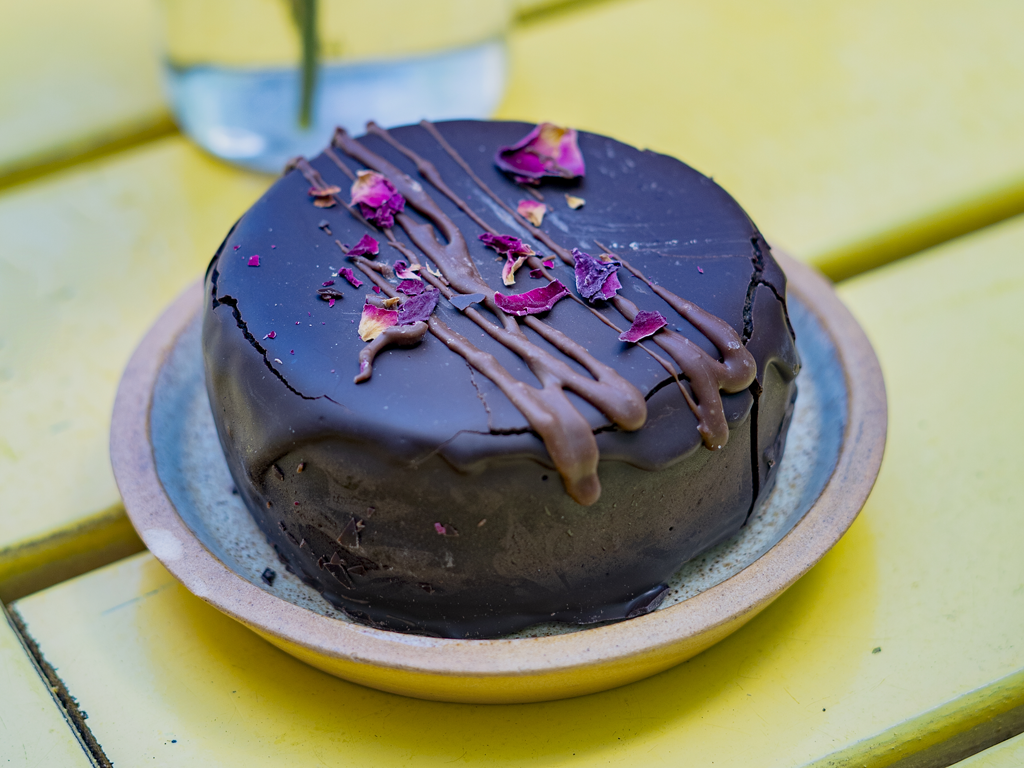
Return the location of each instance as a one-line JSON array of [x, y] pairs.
[[257, 82]]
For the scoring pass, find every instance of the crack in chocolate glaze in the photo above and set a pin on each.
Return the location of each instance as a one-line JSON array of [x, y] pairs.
[[230, 301]]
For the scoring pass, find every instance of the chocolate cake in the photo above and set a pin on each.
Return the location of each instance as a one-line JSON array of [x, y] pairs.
[[473, 376]]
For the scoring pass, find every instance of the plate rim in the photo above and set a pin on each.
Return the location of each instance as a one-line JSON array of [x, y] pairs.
[[710, 615]]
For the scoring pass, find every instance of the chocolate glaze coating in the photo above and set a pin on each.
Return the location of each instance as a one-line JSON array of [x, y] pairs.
[[421, 500]]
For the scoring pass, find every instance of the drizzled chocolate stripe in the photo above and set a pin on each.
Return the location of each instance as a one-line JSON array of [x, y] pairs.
[[565, 432], [708, 377]]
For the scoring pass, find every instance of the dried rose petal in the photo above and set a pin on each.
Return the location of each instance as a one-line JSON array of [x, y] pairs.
[[547, 150], [644, 324], [532, 302], [254, 261], [376, 289], [323, 197], [375, 320], [366, 246], [574, 202], [349, 275], [326, 283], [418, 308], [508, 272], [406, 272], [391, 302], [532, 211], [411, 287], [595, 278], [271, 335], [506, 245], [536, 273], [377, 198], [440, 529], [549, 263]]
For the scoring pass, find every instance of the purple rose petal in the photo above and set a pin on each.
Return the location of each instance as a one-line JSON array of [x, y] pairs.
[[377, 198], [349, 275], [549, 263], [366, 246], [326, 283], [254, 261], [418, 308], [644, 324], [536, 273], [532, 302], [595, 278], [547, 150], [411, 287]]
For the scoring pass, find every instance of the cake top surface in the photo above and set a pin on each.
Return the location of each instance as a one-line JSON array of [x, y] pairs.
[[668, 224]]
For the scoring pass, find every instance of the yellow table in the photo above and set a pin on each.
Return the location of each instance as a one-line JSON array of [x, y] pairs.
[[854, 133]]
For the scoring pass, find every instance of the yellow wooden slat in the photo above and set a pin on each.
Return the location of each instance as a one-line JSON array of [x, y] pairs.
[[33, 729], [904, 636], [1009, 754], [74, 76], [853, 132], [88, 259]]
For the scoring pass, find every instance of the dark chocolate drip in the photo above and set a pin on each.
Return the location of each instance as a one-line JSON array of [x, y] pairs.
[[707, 376], [311, 174], [397, 335], [429, 171], [565, 432]]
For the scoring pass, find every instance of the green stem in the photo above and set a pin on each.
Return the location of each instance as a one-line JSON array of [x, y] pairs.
[[304, 14]]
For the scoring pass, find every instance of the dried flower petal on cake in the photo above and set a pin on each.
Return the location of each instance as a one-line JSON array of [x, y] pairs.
[[513, 249], [644, 324], [391, 302], [377, 198], [323, 197], [549, 263], [547, 150], [532, 302], [406, 272], [417, 308], [532, 211], [375, 320], [595, 278], [254, 261], [574, 202], [411, 287], [366, 246], [349, 275]]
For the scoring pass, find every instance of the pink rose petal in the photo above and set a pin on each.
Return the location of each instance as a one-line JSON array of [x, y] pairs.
[[547, 150], [532, 211], [406, 272], [366, 246], [377, 198], [644, 324], [549, 263], [506, 245], [375, 320], [349, 275], [532, 302], [508, 272], [254, 261]]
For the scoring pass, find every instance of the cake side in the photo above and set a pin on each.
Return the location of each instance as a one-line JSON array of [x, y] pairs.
[[423, 499]]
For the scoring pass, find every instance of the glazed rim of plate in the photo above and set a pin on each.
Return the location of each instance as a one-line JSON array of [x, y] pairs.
[[709, 613]]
